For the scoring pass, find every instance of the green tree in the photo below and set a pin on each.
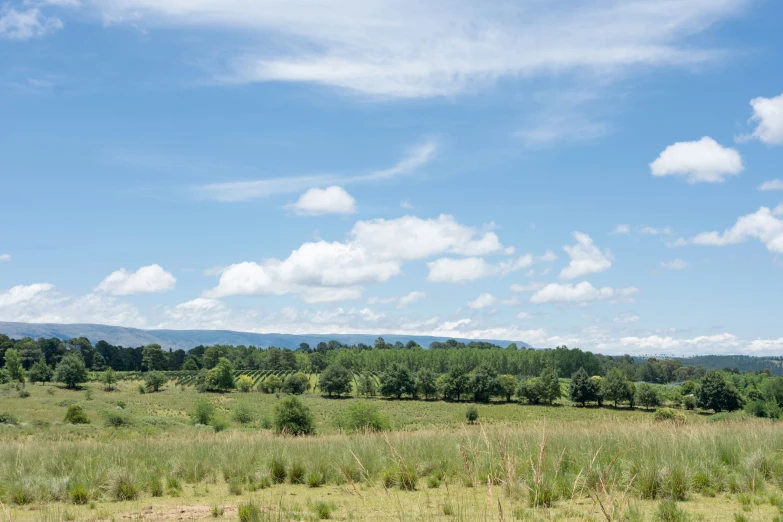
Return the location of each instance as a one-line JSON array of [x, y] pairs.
[[454, 384], [221, 377], [335, 379], [367, 385], [244, 383], [203, 413], [71, 370], [212, 355], [550, 385], [471, 414], [363, 417], [75, 414], [292, 417], [615, 387], [13, 365], [647, 396], [154, 380], [426, 383], [532, 390], [397, 381], [508, 385], [109, 379], [40, 372], [271, 384], [153, 358], [718, 394], [583, 389], [296, 384], [190, 364], [484, 383]]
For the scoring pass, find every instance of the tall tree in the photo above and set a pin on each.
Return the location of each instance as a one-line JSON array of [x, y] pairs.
[[484, 384], [71, 370], [583, 389], [426, 383], [13, 365], [397, 381], [153, 358], [335, 379], [718, 394]]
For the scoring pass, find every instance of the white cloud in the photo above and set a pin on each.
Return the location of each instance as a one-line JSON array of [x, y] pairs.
[[778, 211], [762, 225], [447, 270], [652, 231], [22, 293], [621, 229], [773, 184], [677, 264], [547, 257], [411, 298], [703, 161], [408, 48], [482, 301], [768, 114], [532, 287], [579, 293], [25, 25], [247, 190], [5, 257], [331, 200], [679, 242], [626, 318], [586, 258], [147, 279], [331, 295]]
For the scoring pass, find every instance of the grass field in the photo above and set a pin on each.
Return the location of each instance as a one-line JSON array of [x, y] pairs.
[[518, 463]]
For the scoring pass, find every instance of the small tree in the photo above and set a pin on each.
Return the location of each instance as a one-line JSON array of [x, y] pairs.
[[292, 417], [71, 370], [718, 394], [454, 384], [203, 413], [471, 414], [271, 384], [296, 384], [154, 380], [40, 372], [550, 386], [243, 414], [75, 415], [397, 381], [367, 385], [335, 379], [13, 365], [484, 384], [221, 377], [614, 386], [508, 385], [244, 383], [109, 379], [426, 383], [583, 389], [191, 364], [532, 390], [647, 396]]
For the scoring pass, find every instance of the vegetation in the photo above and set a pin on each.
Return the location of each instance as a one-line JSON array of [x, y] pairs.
[[293, 418]]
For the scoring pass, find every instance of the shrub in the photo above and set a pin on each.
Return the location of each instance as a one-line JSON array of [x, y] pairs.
[[242, 413], [123, 487], [235, 486], [271, 384], [109, 380], [154, 380], [296, 384], [75, 415], [322, 510], [315, 479], [21, 495], [221, 377], [203, 413], [249, 512], [244, 383], [407, 478], [647, 396], [219, 424], [363, 417], [23, 394], [115, 419], [277, 471], [8, 418], [668, 414], [296, 475], [669, 512], [689, 402], [471, 414], [71, 370], [79, 493], [293, 417], [156, 487]]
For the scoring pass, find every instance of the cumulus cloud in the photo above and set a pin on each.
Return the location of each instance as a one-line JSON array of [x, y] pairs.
[[621, 229], [438, 48], [578, 293], [768, 116], [773, 184], [5, 258], [677, 264], [147, 279], [626, 318], [447, 270], [234, 191], [26, 24], [482, 301], [411, 298], [762, 225], [586, 258], [703, 161], [331, 200]]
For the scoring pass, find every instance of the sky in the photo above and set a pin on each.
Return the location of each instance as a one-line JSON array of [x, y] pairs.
[[600, 174]]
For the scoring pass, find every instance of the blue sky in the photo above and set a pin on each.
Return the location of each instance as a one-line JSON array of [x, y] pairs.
[[601, 174]]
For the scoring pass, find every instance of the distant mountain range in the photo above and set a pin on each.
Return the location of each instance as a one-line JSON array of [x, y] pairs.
[[187, 339]]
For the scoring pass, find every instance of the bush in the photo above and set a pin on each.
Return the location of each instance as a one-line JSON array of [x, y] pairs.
[[23, 394], [293, 417], [277, 471], [689, 402], [75, 415], [203, 413], [219, 424], [669, 512], [123, 487], [79, 494], [296, 384], [244, 383], [668, 414], [242, 413], [322, 510], [271, 384], [249, 512], [154, 380], [297, 473], [115, 419], [471, 414], [363, 417], [8, 418]]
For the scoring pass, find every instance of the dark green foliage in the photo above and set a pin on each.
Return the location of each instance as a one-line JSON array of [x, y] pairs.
[[296, 474], [277, 471], [296, 384], [123, 487], [484, 384], [8, 418], [508, 385], [292, 417], [40, 372], [615, 387], [689, 402], [454, 384], [583, 389], [221, 377], [471, 414], [271, 384], [249, 512], [243, 414], [13, 366], [203, 413], [397, 381], [154, 380], [335, 380], [116, 419], [367, 385], [153, 358], [647, 396], [718, 394], [426, 383], [71, 370], [362, 417], [75, 415]]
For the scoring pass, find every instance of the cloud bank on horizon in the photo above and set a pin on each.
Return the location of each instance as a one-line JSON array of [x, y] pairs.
[[604, 175]]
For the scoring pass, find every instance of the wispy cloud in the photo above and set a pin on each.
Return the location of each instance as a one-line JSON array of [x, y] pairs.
[[247, 190], [26, 24]]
